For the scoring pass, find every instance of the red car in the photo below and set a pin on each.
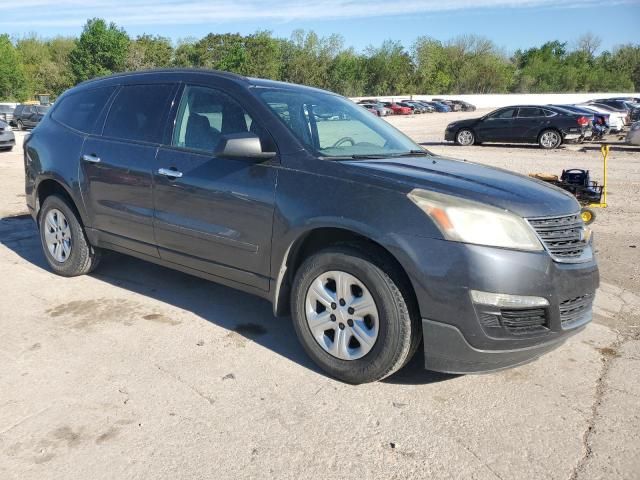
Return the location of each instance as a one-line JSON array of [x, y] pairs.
[[398, 109]]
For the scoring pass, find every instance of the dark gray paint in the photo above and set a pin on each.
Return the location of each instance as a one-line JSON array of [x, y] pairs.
[[237, 220]]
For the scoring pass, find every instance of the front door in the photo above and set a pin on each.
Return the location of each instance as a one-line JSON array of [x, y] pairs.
[[214, 214], [497, 127], [116, 167]]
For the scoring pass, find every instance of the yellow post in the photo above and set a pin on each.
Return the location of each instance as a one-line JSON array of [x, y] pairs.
[[605, 155]]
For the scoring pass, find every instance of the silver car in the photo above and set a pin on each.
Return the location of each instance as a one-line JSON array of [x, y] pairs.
[[633, 136], [7, 138]]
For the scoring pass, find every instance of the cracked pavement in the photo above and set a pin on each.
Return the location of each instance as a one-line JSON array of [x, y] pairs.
[[137, 371]]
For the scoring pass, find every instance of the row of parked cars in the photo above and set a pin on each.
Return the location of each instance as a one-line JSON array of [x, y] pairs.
[[549, 125], [22, 116], [410, 107]]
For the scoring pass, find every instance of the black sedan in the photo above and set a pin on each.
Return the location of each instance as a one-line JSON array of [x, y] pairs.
[[546, 126]]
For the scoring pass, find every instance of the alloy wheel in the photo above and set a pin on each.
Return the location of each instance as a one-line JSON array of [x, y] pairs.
[[549, 139], [465, 137], [57, 235]]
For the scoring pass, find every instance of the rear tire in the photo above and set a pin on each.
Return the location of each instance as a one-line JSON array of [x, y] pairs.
[[393, 330], [63, 239], [549, 139]]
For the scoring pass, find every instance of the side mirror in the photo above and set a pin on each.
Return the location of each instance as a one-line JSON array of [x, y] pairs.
[[242, 145]]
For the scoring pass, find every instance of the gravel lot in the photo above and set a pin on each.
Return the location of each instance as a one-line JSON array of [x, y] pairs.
[[137, 371]]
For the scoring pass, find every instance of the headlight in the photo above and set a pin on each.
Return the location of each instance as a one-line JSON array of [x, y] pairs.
[[471, 222]]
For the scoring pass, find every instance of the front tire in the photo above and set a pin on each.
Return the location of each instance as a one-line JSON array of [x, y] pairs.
[[352, 315], [549, 139], [465, 137], [63, 239]]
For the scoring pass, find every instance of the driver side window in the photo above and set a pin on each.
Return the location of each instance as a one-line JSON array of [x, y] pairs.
[[503, 114], [205, 114]]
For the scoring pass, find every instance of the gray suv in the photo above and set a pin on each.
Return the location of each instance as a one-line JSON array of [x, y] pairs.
[[373, 245]]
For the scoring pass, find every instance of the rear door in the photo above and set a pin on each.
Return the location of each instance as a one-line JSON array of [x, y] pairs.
[[214, 214], [116, 167], [497, 126], [30, 115], [529, 122]]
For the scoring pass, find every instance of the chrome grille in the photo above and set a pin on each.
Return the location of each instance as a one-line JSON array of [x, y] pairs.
[[563, 237], [576, 310]]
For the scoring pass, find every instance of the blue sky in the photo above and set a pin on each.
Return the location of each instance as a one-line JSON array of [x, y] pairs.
[[512, 24]]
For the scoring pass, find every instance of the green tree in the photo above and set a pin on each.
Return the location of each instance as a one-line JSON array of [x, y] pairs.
[[185, 53], [100, 50], [12, 77], [148, 51], [222, 52], [390, 69], [46, 64], [263, 56]]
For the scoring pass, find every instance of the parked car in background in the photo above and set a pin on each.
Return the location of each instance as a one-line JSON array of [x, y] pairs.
[[633, 136], [369, 107], [546, 126], [416, 107], [377, 108], [617, 120], [381, 110], [28, 116], [455, 107], [7, 138], [426, 106], [398, 109], [599, 121], [373, 246], [6, 112], [616, 103], [440, 107]]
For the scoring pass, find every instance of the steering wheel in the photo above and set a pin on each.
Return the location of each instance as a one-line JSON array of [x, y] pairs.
[[344, 140]]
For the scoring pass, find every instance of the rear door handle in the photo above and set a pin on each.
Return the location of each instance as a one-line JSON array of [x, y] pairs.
[[91, 158], [168, 172]]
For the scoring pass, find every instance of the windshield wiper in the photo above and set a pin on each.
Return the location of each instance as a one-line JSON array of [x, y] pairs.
[[412, 153], [371, 156]]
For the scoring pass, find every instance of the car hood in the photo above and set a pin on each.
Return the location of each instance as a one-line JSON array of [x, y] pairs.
[[500, 188]]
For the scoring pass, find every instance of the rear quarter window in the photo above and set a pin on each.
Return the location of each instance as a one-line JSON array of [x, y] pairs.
[[80, 110], [139, 112]]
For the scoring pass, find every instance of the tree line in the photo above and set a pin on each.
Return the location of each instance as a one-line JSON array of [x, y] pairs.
[[465, 64]]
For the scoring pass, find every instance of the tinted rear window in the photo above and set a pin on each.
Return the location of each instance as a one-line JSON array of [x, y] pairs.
[[138, 113], [528, 112], [80, 110]]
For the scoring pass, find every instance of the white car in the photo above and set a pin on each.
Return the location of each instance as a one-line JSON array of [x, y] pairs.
[[633, 137], [616, 119]]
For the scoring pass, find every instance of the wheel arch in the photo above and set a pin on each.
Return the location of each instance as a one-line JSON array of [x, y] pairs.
[[53, 186], [318, 238]]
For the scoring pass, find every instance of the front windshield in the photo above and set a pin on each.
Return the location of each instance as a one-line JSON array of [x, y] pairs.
[[332, 126]]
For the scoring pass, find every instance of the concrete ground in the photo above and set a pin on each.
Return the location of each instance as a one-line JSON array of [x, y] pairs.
[[137, 371]]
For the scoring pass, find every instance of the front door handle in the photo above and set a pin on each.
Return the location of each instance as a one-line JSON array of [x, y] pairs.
[[91, 158], [169, 172]]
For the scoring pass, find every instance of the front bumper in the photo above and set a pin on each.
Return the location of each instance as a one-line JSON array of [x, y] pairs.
[[7, 139], [457, 337]]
